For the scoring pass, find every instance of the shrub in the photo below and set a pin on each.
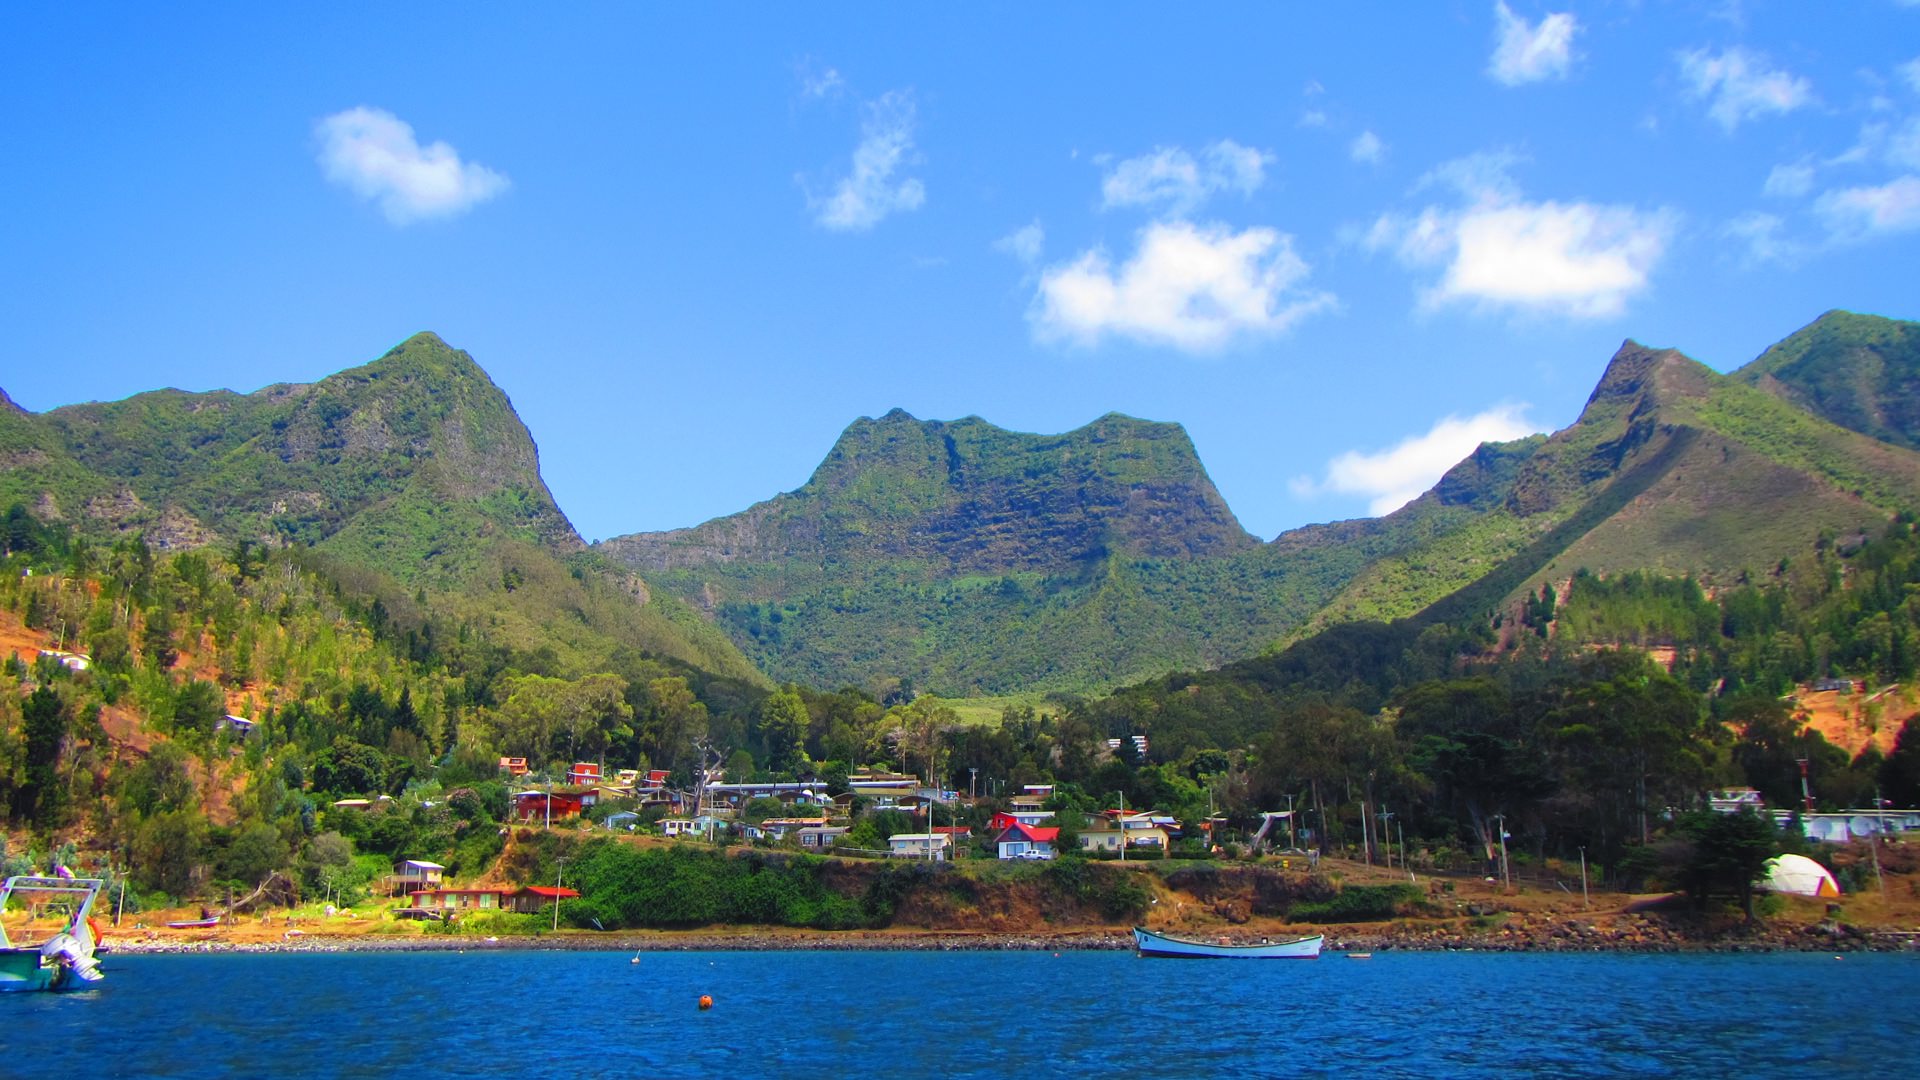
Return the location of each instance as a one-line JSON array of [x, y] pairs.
[[1361, 903]]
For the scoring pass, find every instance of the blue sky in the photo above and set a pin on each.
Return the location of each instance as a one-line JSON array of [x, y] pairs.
[[1339, 243]]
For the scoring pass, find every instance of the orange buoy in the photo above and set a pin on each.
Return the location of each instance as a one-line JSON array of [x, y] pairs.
[[706, 1001]]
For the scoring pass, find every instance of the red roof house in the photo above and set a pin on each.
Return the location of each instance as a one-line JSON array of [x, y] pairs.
[[535, 897], [1018, 841]]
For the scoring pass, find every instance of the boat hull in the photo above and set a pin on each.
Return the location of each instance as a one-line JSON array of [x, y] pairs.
[[1149, 944], [25, 970]]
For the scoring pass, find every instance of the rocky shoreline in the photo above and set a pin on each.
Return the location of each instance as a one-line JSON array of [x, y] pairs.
[[1563, 936]]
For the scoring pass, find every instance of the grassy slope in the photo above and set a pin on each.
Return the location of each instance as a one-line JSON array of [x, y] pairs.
[[1861, 372], [1671, 467]]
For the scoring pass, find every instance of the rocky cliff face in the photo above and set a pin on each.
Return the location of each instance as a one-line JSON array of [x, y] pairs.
[[970, 497]]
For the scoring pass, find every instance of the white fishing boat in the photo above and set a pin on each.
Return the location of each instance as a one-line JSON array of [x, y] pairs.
[[64, 961], [1148, 943]]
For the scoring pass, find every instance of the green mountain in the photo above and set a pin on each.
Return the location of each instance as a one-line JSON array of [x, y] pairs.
[[1859, 371], [968, 559], [413, 467], [969, 497], [1671, 468]]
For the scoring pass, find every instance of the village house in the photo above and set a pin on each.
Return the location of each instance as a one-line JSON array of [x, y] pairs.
[[239, 725], [918, 846], [1018, 841], [529, 899], [882, 790], [539, 806], [778, 828], [584, 774], [1005, 818], [1142, 829], [729, 799], [696, 826], [1032, 798], [514, 766], [821, 837], [417, 874], [450, 900], [1102, 836], [534, 897]]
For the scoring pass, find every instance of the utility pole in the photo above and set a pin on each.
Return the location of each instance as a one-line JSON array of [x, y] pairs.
[[1123, 826], [1506, 878], [1806, 794], [556, 894], [1292, 841]]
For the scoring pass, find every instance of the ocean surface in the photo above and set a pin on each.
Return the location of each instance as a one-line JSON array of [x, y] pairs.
[[964, 1014]]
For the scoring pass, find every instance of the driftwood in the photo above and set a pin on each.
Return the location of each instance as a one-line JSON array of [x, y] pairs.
[[277, 886]]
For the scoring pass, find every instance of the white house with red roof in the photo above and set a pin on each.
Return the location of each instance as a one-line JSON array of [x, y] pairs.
[[1022, 841]]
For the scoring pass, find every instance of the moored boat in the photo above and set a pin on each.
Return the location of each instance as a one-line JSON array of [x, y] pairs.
[[1148, 943], [64, 961]]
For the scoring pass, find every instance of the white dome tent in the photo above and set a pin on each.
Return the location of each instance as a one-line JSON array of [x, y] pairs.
[[1800, 876]]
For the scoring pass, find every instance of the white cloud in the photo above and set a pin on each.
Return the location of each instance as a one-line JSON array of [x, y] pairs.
[[1890, 207], [1396, 476], [1024, 243], [1525, 53], [817, 81], [869, 193], [1175, 180], [1789, 181], [1235, 167], [1760, 233], [374, 154], [1194, 288], [1910, 71], [1367, 149], [1578, 259], [1740, 86]]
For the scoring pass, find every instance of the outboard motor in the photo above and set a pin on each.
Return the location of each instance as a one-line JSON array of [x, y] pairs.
[[70, 952]]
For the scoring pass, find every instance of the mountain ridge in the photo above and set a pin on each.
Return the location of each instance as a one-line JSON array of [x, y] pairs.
[[1859, 371], [414, 466]]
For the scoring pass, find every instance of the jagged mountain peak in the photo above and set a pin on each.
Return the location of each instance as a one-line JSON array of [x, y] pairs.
[[1637, 370], [972, 496]]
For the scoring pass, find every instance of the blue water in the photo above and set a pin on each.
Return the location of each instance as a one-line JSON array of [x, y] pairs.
[[931, 1014]]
